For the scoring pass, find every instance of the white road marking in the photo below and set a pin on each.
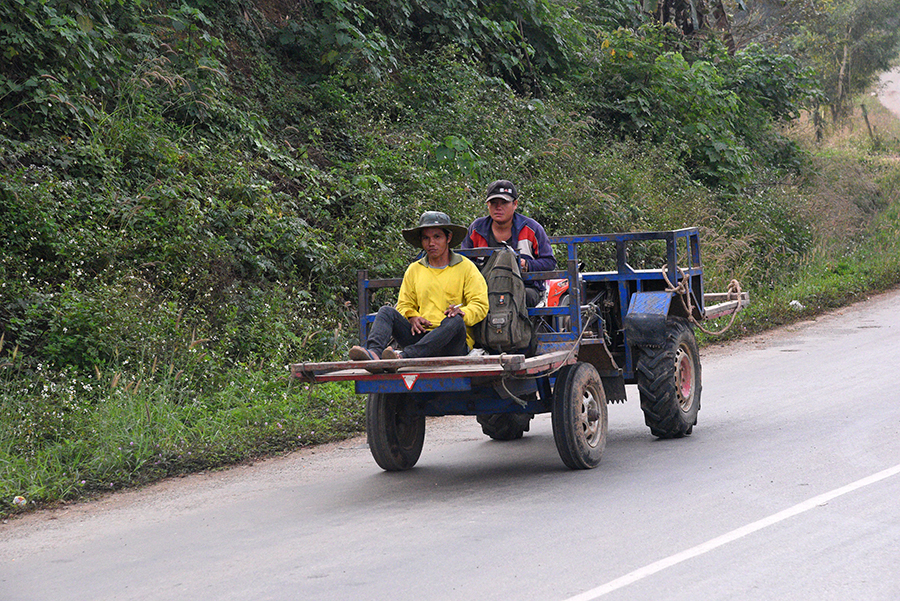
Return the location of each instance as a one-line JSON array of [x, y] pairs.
[[734, 535]]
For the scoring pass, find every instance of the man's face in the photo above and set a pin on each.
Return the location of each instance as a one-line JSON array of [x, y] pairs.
[[502, 210], [435, 242]]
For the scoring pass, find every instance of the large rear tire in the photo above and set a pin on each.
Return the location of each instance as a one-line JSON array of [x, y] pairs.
[[669, 382], [395, 434], [505, 426], [579, 416]]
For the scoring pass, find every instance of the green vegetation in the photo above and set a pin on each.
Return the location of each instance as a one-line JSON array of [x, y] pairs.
[[187, 190]]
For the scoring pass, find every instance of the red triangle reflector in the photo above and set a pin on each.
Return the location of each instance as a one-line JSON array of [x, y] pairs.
[[410, 380]]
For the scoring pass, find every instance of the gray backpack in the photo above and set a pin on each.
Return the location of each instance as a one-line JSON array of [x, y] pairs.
[[507, 327]]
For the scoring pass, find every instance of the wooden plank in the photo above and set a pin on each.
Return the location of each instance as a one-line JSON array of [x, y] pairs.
[[486, 366], [471, 371], [547, 362], [507, 363], [712, 297], [729, 302], [723, 309]]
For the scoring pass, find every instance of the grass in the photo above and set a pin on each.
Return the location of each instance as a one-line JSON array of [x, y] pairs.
[[80, 436], [92, 435], [86, 436], [871, 268]]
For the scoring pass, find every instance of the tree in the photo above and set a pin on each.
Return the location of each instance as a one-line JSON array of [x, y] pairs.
[[847, 42], [693, 17]]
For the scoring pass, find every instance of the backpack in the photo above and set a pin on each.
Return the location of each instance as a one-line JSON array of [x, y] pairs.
[[507, 327]]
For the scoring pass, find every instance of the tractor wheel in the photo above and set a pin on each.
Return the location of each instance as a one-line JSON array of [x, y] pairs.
[[579, 416], [505, 426], [395, 434], [668, 379]]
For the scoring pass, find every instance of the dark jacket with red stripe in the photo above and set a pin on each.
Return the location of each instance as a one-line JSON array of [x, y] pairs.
[[531, 242]]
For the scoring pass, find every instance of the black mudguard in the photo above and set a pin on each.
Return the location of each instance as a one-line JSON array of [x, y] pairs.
[[645, 322]]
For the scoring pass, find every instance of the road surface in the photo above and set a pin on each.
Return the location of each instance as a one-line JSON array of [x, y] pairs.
[[889, 90], [788, 489]]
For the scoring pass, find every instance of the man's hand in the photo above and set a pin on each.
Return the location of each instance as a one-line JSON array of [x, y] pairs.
[[523, 264], [419, 324], [453, 311]]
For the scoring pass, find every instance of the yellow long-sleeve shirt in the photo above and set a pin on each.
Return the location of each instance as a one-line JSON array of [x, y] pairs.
[[428, 292]]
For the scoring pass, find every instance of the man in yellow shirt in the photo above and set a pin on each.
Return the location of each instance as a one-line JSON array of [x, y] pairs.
[[442, 296]]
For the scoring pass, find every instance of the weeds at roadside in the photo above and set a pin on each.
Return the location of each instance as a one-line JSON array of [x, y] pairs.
[[125, 435], [827, 279]]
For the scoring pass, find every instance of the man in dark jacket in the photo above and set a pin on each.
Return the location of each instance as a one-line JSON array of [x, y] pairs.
[[504, 226]]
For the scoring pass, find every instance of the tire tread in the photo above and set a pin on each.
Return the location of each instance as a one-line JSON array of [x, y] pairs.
[[655, 373]]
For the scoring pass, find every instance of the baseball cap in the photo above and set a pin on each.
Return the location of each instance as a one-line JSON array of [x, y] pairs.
[[502, 188]]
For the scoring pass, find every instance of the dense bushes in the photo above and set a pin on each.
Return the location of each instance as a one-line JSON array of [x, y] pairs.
[[241, 175], [521, 41], [715, 111]]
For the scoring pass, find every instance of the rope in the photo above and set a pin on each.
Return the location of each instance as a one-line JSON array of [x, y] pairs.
[[684, 293], [591, 315]]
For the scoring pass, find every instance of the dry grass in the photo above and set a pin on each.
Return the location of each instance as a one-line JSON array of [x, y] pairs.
[[844, 193], [851, 192], [870, 125]]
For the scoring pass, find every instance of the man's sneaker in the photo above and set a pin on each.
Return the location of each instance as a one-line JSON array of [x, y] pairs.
[[390, 353]]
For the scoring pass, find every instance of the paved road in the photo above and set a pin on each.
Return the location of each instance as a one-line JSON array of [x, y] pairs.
[[889, 90], [787, 490]]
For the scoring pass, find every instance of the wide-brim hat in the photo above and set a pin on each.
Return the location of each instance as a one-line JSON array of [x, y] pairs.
[[435, 219]]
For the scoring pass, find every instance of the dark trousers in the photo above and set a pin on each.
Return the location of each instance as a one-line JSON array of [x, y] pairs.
[[448, 339]]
